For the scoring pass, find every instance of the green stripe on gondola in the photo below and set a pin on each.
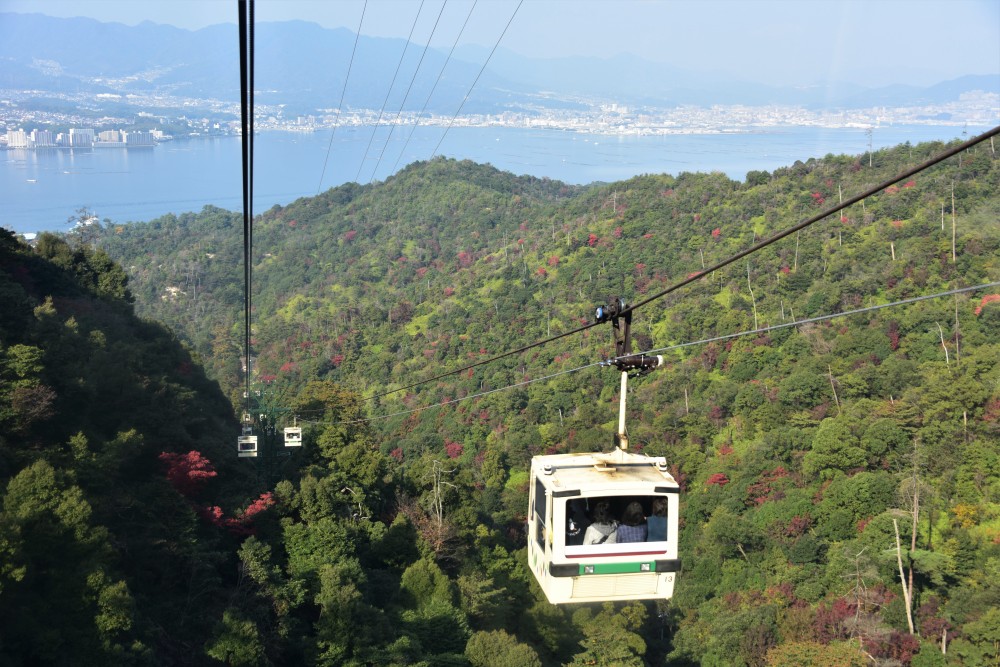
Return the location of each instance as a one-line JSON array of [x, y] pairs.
[[617, 568]]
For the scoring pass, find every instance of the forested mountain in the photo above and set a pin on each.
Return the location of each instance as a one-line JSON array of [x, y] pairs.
[[800, 450]]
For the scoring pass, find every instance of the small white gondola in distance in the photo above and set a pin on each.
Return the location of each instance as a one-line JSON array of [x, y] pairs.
[[246, 446], [565, 489], [293, 436]]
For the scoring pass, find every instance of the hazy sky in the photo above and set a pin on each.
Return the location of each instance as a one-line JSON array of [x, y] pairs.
[[872, 42]]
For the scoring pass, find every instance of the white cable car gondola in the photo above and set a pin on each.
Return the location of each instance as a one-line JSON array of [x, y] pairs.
[[246, 446], [565, 490], [569, 491], [293, 436]]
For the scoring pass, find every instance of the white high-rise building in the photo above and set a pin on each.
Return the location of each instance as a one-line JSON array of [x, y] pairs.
[[42, 138], [81, 137], [18, 139]]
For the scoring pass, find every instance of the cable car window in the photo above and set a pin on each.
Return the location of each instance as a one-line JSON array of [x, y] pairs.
[[616, 525], [540, 513]]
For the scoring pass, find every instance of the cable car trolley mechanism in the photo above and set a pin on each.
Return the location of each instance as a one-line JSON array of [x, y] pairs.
[[604, 526]]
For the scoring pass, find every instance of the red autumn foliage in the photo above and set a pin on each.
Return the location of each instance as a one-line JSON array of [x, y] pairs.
[[718, 478], [422, 271], [592, 240], [725, 450], [553, 261], [717, 232], [464, 259], [397, 453], [763, 490], [897, 646], [242, 523], [349, 236], [647, 236], [991, 413], [542, 272], [287, 367], [798, 525], [898, 224], [818, 198], [617, 233], [844, 219], [337, 359], [448, 291], [189, 472], [829, 624], [909, 184], [453, 449], [989, 298], [893, 334], [929, 619], [786, 270], [891, 190]]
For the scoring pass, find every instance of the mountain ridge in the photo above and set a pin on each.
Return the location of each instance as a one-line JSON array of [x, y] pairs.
[[157, 57]]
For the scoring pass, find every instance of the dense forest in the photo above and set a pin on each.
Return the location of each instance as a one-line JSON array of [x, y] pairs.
[[840, 476]]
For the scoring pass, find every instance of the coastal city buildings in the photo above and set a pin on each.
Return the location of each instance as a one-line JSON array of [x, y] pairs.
[[78, 137], [205, 117]]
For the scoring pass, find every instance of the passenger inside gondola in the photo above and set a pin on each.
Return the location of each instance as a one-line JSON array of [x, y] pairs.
[[643, 519], [633, 525], [656, 523]]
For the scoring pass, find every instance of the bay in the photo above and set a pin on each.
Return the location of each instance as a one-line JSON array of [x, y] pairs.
[[42, 189]]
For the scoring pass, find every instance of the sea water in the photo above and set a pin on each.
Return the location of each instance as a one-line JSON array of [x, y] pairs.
[[43, 189]]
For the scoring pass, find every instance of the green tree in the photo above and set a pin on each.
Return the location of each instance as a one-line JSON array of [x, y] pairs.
[[237, 641], [499, 649], [834, 448]]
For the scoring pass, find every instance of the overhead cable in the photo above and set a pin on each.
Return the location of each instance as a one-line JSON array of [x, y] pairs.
[[481, 70], [704, 341], [392, 83], [399, 113], [343, 92], [246, 22], [416, 122]]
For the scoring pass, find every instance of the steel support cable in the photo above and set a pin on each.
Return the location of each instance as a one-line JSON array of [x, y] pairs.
[[399, 113], [481, 70], [434, 87], [819, 216], [392, 83], [246, 21], [703, 341], [759, 246], [343, 92]]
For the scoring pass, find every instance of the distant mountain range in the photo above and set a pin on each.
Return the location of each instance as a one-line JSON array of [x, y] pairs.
[[303, 66]]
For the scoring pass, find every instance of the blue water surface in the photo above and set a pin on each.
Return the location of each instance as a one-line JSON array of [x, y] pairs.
[[42, 189]]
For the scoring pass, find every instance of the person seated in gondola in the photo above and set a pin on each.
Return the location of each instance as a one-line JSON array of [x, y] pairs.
[[576, 522], [602, 531], [633, 525], [656, 523]]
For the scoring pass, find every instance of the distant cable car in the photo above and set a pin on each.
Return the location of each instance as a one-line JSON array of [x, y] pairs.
[[246, 446], [604, 526], [293, 436], [566, 490]]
